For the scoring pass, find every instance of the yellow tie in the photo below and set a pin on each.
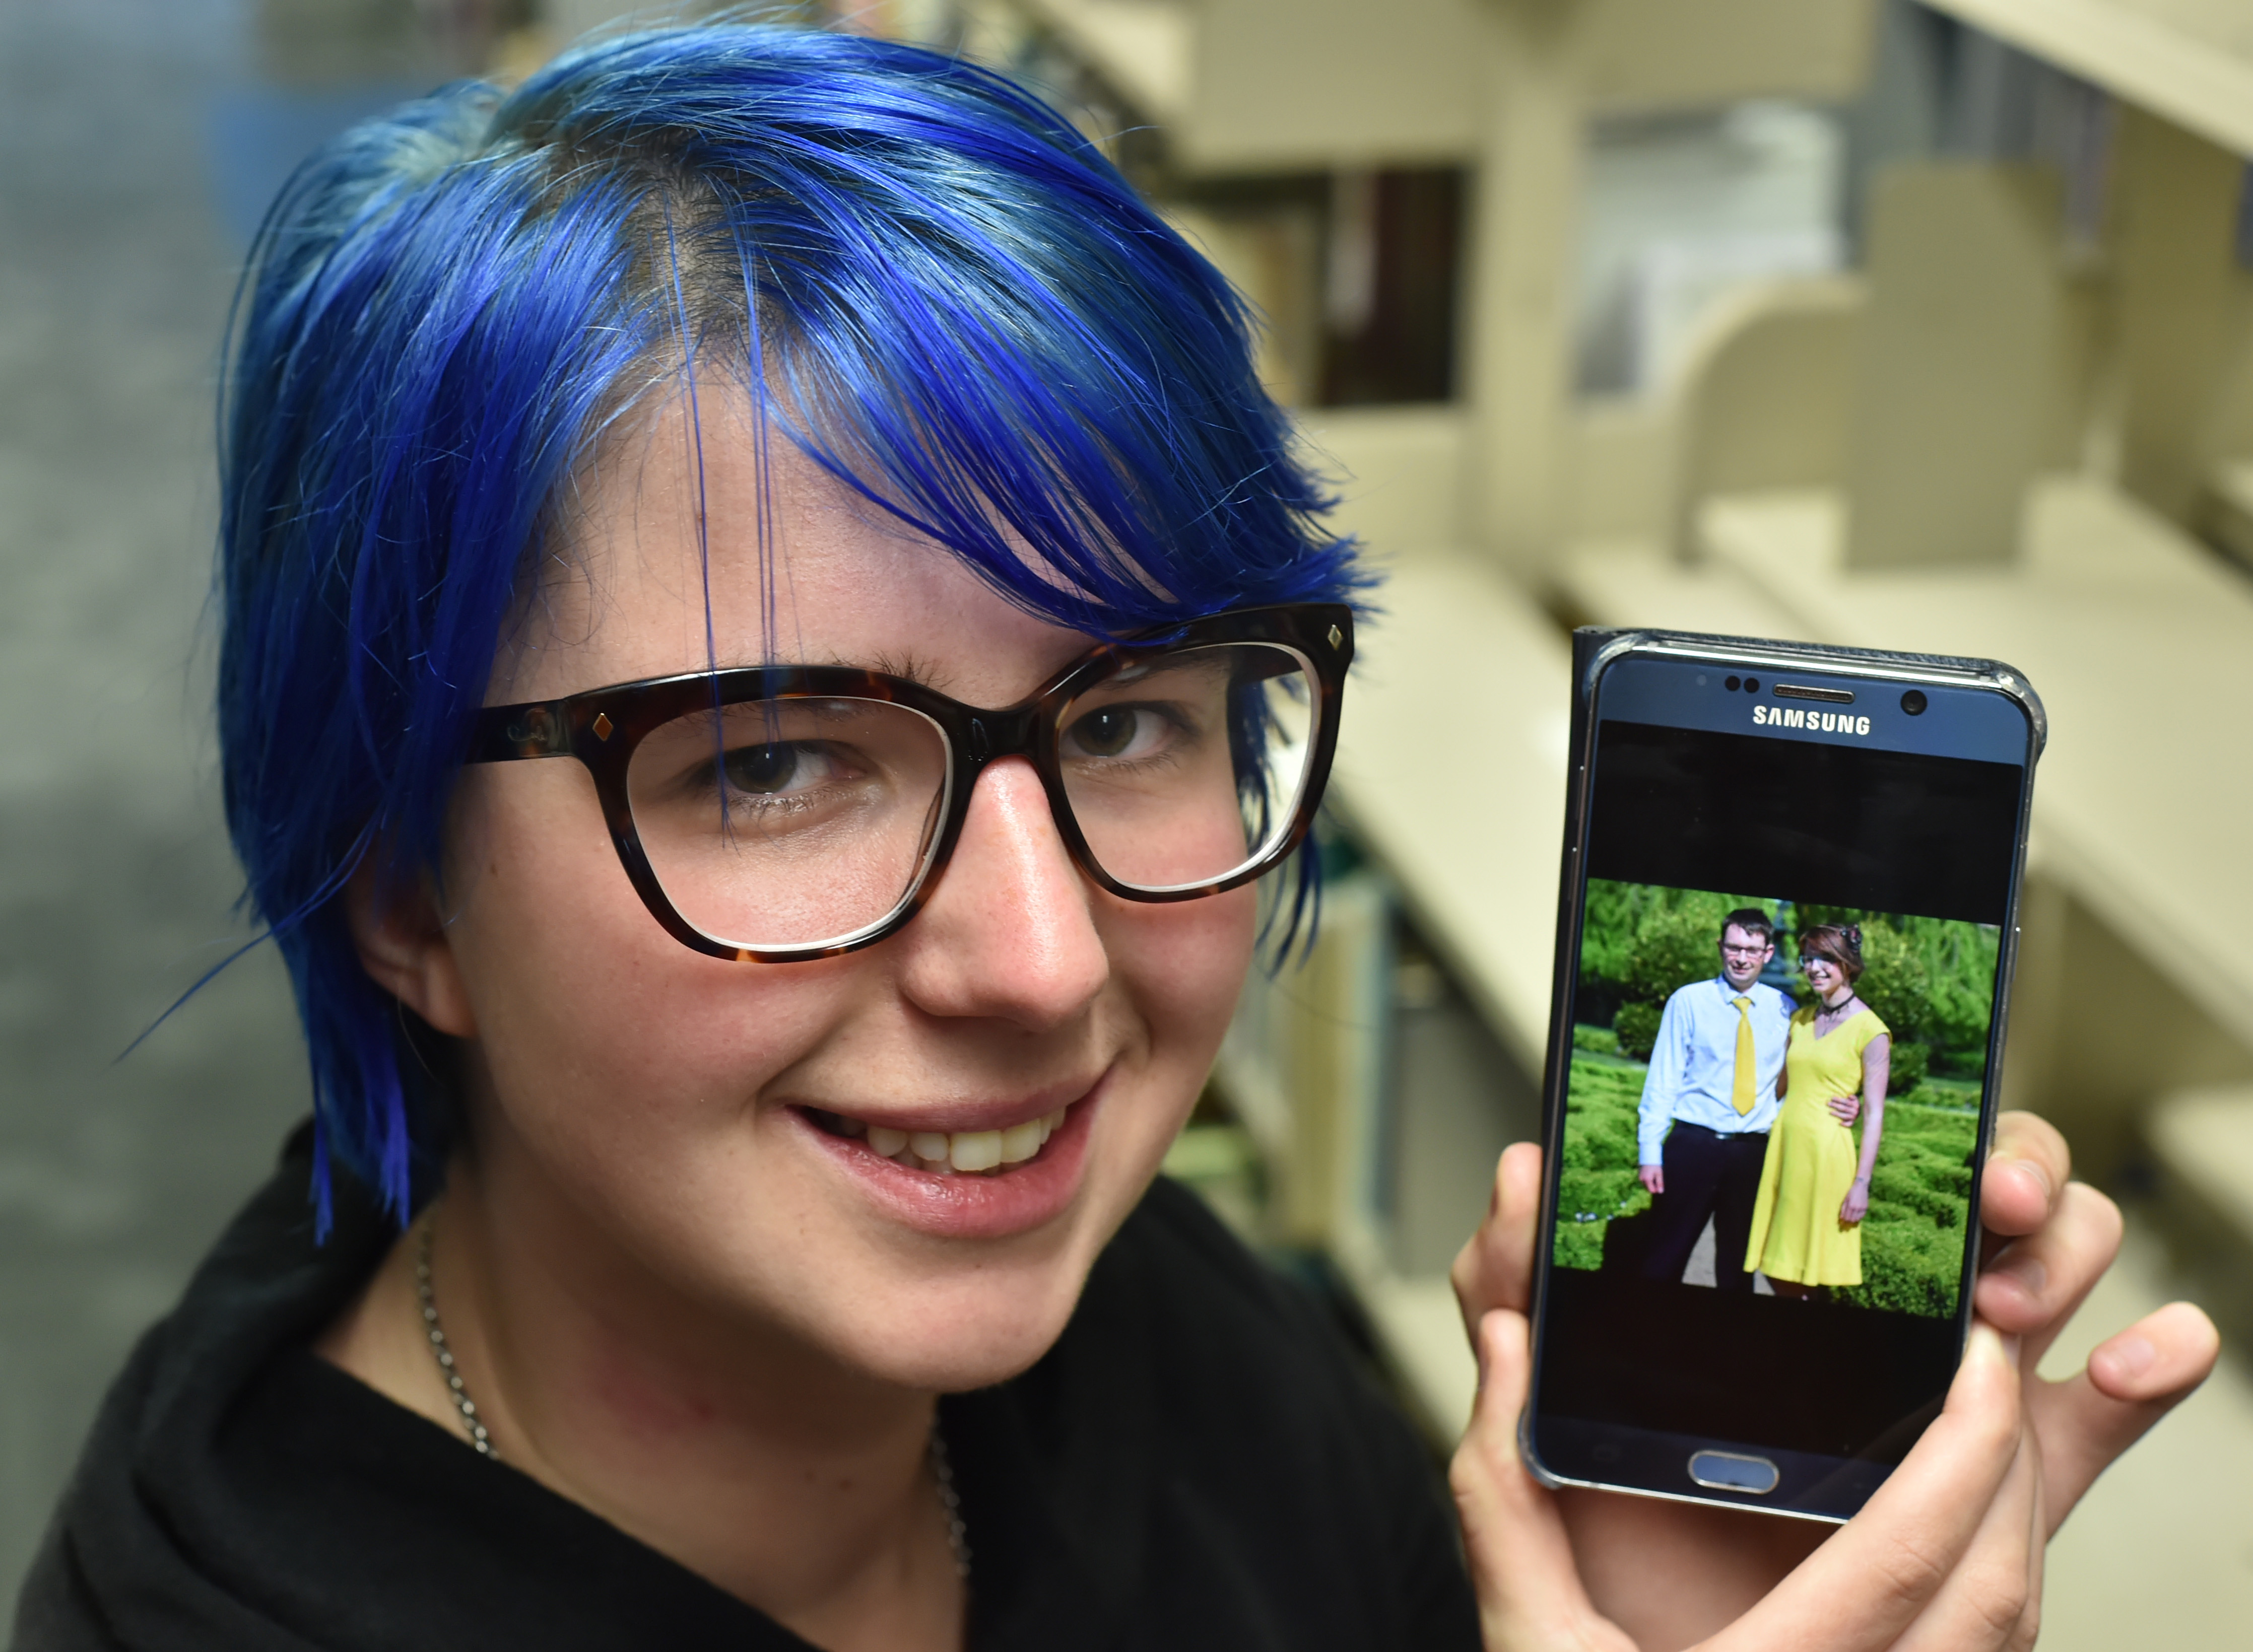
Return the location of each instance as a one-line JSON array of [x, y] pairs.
[[1740, 1093]]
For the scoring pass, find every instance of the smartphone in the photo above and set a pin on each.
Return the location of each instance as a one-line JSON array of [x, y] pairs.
[[1784, 947]]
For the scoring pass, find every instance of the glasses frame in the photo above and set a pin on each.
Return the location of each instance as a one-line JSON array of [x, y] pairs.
[[603, 726]]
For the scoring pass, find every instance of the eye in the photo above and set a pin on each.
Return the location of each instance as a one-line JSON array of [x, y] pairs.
[[763, 768], [1108, 732]]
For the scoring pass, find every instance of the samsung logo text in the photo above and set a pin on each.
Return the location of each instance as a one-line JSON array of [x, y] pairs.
[[1826, 722]]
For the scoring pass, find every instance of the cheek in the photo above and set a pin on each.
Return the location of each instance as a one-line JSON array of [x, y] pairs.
[[1182, 966], [597, 1031]]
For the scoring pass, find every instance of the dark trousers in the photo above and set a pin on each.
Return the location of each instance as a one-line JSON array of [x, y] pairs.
[[1707, 1174]]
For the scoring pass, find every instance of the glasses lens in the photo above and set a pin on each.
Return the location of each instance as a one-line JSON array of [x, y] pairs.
[[781, 823], [1188, 768]]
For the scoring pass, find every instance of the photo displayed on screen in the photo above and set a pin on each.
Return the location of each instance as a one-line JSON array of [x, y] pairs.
[[1775, 1097]]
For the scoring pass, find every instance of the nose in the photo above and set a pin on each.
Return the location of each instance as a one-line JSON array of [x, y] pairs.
[[1008, 933]]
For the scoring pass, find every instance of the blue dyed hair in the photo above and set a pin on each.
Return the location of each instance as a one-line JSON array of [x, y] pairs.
[[924, 277]]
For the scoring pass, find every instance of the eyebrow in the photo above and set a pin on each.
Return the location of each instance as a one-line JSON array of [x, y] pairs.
[[907, 666]]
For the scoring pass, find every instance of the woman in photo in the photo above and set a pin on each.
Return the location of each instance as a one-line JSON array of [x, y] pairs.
[[769, 628], [1814, 1188]]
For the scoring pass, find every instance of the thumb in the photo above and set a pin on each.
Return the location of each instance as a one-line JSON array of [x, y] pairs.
[[1529, 1593]]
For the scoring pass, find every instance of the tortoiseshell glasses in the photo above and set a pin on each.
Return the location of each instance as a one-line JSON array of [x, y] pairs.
[[786, 812]]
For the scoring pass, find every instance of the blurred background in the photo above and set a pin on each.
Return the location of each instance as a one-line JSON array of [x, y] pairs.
[[1913, 325]]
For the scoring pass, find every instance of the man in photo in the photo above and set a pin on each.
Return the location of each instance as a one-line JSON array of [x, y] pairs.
[[1709, 1102]]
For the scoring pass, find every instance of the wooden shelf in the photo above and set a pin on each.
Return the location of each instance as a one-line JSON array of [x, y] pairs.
[[2140, 643], [2189, 61], [2154, 1555], [1450, 775], [1451, 772], [1142, 47], [2206, 1139]]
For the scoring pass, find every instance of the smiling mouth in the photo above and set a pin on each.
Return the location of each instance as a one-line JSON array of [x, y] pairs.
[[941, 1153]]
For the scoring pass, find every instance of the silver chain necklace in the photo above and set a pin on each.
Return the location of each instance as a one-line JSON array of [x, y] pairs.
[[942, 1467], [462, 1402]]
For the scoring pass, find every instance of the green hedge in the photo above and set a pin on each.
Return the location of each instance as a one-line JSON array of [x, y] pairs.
[[1634, 1030], [1598, 1180], [1920, 1197], [1596, 1040], [1920, 1192]]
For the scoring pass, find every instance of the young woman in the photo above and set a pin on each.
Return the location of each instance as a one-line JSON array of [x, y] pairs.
[[769, 629], [1814, 1186]]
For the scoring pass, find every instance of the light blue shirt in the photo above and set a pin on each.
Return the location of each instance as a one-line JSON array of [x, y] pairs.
[[1693, 1063]]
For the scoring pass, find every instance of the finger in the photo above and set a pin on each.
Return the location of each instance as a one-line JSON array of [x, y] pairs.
[[2029, 1165], [1671, 1573], [1530, 1592], [1992, 1598], [1494, 1267], [1885, 1567], [2032, 1287], [2131, 1381]]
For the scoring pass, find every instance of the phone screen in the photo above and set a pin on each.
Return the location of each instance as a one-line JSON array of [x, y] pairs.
[[1793, 921]]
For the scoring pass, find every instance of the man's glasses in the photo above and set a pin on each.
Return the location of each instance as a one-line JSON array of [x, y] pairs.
[[1742, 952], [776, 813]]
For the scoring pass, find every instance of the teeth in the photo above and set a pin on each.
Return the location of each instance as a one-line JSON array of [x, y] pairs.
[[975, 1149], [964, 1152]]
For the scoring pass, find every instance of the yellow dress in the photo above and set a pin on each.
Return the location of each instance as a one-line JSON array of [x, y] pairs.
[[1812, 1159]]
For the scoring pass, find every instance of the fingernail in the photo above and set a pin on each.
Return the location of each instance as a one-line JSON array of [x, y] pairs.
[[2028, 1270], [2034, 1174], [1987, 1343], [2131, 1356]]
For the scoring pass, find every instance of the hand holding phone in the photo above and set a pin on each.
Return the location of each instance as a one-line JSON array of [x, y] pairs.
[[1972, 1503]]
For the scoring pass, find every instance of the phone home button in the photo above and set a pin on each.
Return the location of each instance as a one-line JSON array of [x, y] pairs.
[[1730, 1471]]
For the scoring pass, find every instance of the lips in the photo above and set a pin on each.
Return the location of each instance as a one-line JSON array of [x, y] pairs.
[[965, 1176]]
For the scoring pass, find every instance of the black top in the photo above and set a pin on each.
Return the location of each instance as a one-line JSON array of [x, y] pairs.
[[1197, 1463]]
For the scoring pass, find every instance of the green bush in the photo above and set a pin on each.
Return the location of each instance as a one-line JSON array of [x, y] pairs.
[[1674, 949], [1907, 1268], [1636, 1029], [1920, 1196], [1910, 1064], [1597, 1182], [1601, 1117], [1894, 981], [1968, 1063], [1580, 1245], [1596, 1040], [1584, 1196]]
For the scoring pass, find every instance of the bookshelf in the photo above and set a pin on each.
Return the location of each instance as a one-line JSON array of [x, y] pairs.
[[2189, 61]]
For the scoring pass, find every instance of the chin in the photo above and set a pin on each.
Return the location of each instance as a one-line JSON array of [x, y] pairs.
[[949, 1341]]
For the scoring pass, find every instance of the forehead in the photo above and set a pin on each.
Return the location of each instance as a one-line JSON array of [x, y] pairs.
[[698, 540], [1737, 935]]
